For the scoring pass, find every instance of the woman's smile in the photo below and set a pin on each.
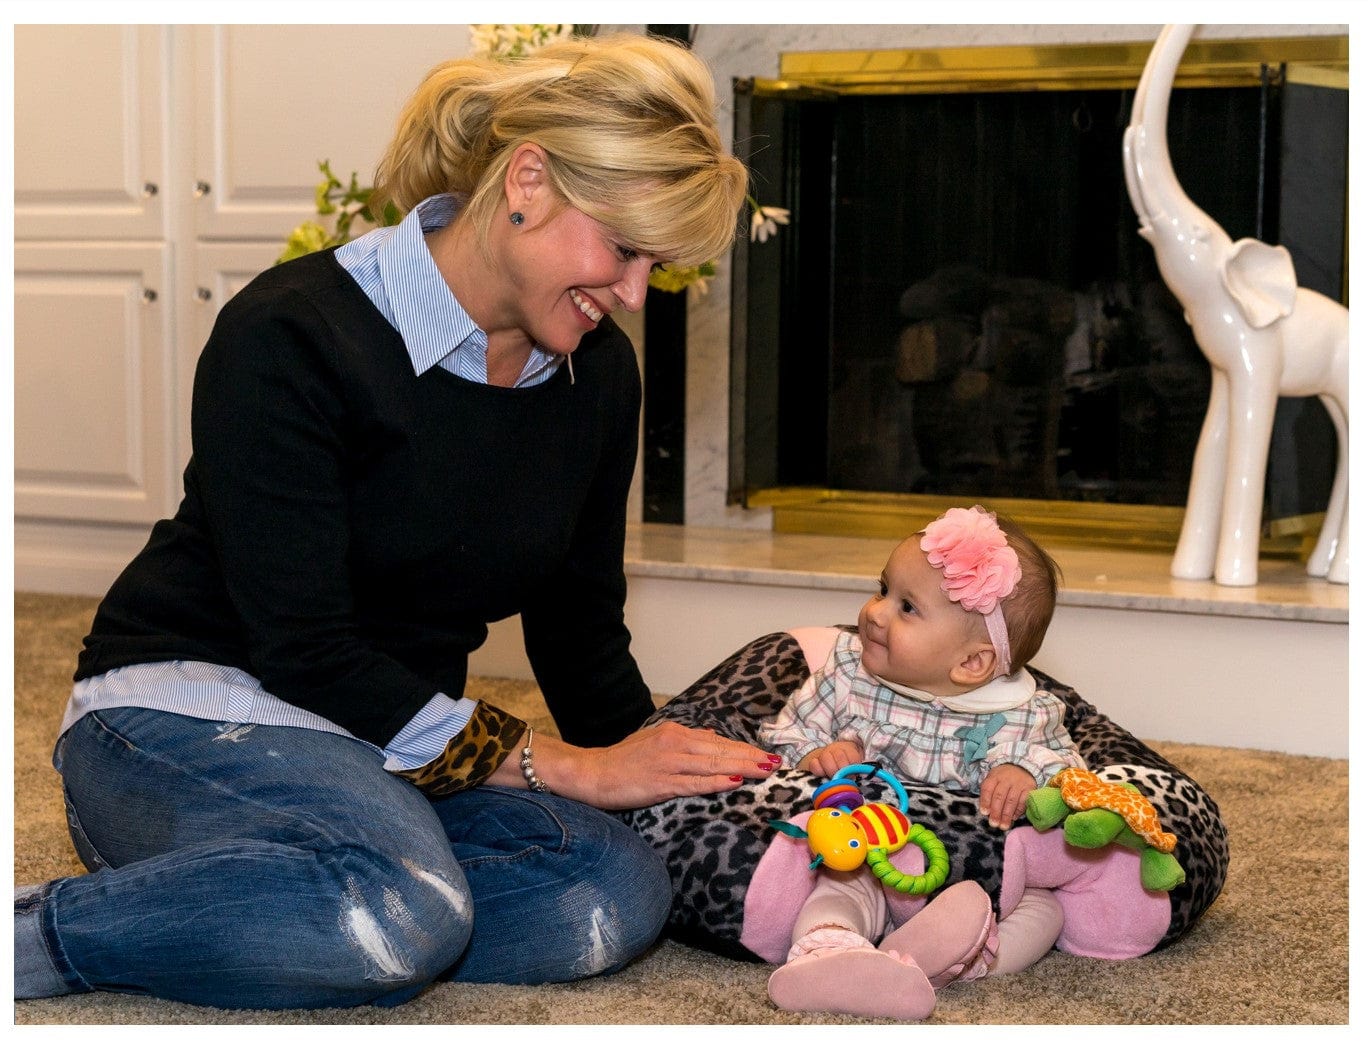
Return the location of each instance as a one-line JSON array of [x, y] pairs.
[[587, 306]]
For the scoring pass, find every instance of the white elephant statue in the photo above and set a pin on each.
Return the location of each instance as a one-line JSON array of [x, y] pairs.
[[1263, 335]]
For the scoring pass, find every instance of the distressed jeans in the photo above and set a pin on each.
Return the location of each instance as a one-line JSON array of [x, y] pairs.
[[249, 866]]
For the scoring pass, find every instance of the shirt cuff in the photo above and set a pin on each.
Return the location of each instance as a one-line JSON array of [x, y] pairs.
[[471, 757], [424, 737]]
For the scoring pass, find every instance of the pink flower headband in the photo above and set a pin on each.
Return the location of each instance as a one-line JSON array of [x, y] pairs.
[[981, 570]]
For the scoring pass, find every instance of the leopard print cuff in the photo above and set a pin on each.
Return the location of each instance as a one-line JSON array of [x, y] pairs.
[[472, 756]]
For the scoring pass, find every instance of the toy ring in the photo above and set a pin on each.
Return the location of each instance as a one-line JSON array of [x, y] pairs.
[[937, 864], [874, 769]]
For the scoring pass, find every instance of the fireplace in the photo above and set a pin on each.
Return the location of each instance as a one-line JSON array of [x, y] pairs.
[[962, 309]]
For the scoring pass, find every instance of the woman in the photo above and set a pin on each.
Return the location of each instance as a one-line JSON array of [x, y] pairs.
[[269, 766]]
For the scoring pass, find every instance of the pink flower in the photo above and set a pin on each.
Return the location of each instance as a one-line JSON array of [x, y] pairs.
[[970, 549]]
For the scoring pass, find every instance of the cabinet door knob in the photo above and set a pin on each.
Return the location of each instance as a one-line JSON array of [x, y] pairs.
[[201, 188], [203, 294], [149, 189], [149, 296]]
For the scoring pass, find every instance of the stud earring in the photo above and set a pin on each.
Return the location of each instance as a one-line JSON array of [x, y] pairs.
[[516, 218]]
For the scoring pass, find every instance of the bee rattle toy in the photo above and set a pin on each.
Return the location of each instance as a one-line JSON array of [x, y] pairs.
[[844, 832]]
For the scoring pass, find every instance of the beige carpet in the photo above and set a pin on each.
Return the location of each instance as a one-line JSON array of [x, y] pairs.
[[1273, 949]]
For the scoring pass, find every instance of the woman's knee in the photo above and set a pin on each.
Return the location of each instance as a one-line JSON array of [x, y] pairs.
[[403, 923], [570, 893], [604, 919], [634, 877]]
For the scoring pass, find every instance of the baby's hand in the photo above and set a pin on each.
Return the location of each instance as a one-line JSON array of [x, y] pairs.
[[1003, 797], [829, 759]]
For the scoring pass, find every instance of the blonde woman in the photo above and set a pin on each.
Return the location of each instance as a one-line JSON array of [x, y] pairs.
[[272, 771]]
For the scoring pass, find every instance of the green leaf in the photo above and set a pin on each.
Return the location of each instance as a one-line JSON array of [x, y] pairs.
[[322, 203]]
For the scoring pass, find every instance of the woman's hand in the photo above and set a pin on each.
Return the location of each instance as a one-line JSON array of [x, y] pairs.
[[651, 765]]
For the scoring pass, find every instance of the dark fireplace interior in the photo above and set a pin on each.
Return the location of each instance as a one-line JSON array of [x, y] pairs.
[[962, 305]]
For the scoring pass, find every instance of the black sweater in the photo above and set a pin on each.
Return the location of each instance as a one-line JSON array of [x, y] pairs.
[[348, 528]]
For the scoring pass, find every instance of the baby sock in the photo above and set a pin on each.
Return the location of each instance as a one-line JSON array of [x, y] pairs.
[[1028, 933]]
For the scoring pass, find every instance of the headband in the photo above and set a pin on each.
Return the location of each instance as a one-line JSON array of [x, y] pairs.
[[981, 570]]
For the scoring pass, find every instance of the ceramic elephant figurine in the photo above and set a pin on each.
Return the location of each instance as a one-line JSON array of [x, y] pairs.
[[1263, 335]]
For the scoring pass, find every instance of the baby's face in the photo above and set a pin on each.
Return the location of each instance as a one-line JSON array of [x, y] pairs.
[[912, 633]]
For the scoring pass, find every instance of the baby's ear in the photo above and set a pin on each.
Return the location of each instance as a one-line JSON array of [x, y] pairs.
[[978, 668]]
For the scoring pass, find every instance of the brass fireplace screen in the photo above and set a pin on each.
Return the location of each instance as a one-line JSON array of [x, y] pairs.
[[962, 309]]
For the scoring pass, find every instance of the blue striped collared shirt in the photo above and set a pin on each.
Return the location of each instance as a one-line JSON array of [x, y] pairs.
[[394, 268]]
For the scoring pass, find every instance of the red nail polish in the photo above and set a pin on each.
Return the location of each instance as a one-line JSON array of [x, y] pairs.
[[774, 757], [738, 778], [767, 766]]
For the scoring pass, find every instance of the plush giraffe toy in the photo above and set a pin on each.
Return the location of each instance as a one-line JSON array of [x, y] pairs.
[[1096, 813]]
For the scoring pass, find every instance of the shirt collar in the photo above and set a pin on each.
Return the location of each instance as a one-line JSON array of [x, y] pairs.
[[1001, 693], [430, 320]]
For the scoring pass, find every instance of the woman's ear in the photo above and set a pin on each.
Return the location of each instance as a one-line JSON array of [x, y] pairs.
[[525, 177], [977, 668]]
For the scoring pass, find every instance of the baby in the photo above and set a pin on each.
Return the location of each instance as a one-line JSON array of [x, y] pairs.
[[934, 689]]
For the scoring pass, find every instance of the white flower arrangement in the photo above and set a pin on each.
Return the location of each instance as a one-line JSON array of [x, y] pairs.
[[514, 41], [765, 221]]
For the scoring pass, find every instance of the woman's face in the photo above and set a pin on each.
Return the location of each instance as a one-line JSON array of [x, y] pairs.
[[568, 273]]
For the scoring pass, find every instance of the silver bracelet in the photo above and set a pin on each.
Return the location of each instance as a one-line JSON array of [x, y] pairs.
[[533, 783]]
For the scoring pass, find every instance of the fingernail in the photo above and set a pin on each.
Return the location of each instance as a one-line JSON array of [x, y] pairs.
[[738, 778], [774, 757], [768, 765]]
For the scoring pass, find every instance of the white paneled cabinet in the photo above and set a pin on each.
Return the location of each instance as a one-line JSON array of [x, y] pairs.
[[269, 105], [157, 169], [92, 362], [90, 131]]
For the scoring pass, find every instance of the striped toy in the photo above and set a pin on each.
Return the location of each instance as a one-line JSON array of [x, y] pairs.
[[845, 832]]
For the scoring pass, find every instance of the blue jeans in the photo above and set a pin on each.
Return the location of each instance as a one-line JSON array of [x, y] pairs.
[[266, 867]]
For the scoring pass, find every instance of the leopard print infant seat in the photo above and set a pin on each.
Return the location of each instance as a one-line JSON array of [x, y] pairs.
[[714, 845]]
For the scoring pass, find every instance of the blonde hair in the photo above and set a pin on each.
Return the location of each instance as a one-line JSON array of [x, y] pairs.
[[627, 124], [1031, 606]]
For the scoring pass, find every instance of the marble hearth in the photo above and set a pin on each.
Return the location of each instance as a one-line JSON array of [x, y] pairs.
[[1169, 659]]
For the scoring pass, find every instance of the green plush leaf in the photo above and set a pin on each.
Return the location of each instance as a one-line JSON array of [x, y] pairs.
[[1093, 828], [1045, 807], [1160, 871]]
